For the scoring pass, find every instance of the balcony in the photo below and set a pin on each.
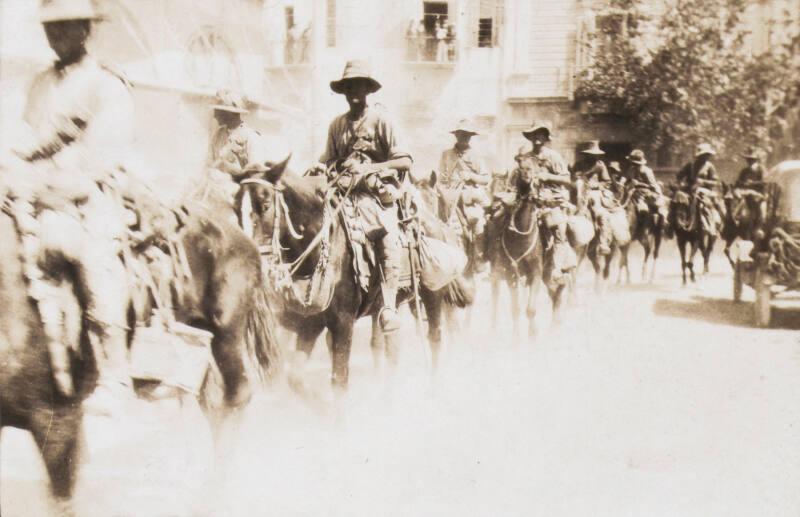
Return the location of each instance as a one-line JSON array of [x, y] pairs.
[[432, 51]]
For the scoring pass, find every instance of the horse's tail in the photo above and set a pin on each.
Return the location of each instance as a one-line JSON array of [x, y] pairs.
[[460, 292], [260, 338]]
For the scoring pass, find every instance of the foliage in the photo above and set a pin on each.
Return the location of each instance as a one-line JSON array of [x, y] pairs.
[[688, 76]]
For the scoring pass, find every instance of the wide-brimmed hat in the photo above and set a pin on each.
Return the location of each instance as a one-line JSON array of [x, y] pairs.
[[226, 100], [593, 148], [63, 10], [704, 149], [537, 126], [465, 126], [614, 166], [751, 153], [637, 157], [354, 70]]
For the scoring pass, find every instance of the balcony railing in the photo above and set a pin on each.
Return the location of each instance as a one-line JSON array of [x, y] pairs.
[[430, 49]]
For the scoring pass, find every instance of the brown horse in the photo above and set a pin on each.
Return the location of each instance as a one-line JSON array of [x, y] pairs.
[[445, 206], [742, 219], [519, 255], [29, 398], [224, 295], [294, 217], [690, 232], [647, 228]]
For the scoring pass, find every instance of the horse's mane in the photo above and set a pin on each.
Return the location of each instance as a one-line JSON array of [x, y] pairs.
[[308, 190]]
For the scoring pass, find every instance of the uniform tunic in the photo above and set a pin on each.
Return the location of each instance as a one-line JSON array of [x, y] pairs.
[[455, 166], [374, 137]]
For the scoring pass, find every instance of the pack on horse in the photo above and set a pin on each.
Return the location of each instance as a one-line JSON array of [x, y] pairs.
[[447, 206], [521, 256], [318, 277], [221, 292]]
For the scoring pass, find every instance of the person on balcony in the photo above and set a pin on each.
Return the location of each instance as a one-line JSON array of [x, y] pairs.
[[440, 34]]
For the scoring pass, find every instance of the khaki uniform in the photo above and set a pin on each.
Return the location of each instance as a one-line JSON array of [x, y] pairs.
[[555, 197], [82, 116], [600, 200], [373, 138], [456, 170], [688, 179]]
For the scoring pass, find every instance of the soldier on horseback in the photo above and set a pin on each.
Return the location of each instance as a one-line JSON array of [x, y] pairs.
[[601, 197], [81, 120], [646, 189], [699, 179], [364, 146], [552, 175], [461, 171], [750, 184]]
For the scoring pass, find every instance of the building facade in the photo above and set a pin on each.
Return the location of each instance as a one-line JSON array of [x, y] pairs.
[[503, 63]]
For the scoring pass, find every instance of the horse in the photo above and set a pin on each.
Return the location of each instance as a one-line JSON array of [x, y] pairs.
[[29, 397], [647, 228], [519, 255], [690, 231], [222, 294], [447, 207], [293, 217], [741, 220], [619, 244]]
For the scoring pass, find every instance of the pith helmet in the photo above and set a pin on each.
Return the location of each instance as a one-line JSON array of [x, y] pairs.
[[594, 148], [637, 157], [543, 126], [227, 100], [63, 10], [704, 149], [356, 70], [465, 126]]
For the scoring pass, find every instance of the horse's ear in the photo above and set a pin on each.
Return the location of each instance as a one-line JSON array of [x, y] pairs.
[[276, 171], [433, 179]]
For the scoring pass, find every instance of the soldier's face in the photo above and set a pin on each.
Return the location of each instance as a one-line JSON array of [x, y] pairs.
[[538, 139], [463, 138], [227, 118], [356, 93], [67, 38]]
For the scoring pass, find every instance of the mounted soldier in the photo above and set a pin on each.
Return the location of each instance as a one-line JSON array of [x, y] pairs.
[[750, 184], [364, 150], [700, 180], [463, 177], [551, 173], [618, 179], [645, 188], [81, 118], [233, 146], [601, 198]]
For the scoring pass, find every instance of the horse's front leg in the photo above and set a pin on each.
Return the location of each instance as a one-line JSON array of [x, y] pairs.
[[530, 308], [433, 303], [377, 344], [707, 249], [342, 334], [682, 242], [58, 436], [646, 246], [495, 286], [513, 291]]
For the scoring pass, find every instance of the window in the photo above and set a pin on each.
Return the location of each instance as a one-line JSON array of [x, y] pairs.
[[330, 33], [485, 32], [288, 14]]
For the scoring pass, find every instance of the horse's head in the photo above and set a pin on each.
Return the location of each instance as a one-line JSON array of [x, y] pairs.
[[284, 203]]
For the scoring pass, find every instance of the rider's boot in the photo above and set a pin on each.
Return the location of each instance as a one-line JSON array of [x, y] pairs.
[[390, 265], [604, 236]]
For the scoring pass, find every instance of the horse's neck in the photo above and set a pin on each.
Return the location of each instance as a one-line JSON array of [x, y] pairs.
[[13, 289]]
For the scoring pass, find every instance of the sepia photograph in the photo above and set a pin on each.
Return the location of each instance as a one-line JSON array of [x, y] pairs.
[[399, 258]]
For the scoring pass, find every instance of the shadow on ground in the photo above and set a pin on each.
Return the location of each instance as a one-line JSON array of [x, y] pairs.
[[725, 312]]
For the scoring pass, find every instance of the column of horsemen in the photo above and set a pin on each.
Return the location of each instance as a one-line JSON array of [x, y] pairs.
[[69, 188]]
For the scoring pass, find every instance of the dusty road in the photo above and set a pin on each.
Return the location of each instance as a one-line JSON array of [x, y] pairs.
[[653, 400]]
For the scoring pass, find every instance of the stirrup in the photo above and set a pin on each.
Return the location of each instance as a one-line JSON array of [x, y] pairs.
[[389, 320]]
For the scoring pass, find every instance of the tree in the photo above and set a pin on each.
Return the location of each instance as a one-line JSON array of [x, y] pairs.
[[689, 76]]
